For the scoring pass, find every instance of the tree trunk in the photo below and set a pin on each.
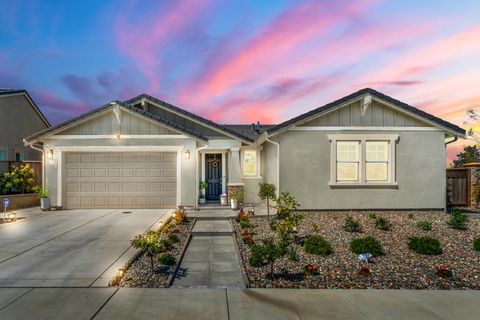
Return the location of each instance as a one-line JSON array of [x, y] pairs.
[[268, 209], [151, 263]]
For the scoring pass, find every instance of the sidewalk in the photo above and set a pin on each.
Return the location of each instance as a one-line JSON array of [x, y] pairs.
[[149, 303]]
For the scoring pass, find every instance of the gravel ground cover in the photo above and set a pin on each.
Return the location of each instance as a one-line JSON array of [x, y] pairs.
[[139, 273], [397, 268]]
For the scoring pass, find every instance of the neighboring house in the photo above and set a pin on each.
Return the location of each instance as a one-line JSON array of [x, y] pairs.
[[364, 151], [19, 117]]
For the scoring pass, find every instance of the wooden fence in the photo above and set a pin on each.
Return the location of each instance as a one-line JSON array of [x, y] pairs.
[[459, 186], [6, 166]]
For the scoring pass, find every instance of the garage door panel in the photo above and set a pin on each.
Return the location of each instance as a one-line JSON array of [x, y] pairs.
[[116, 180]]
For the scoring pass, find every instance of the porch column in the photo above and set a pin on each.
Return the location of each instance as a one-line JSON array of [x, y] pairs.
[[224, 173], [234, 174]]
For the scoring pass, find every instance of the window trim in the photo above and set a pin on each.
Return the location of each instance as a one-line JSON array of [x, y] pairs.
[[257, 163], [362, 138]]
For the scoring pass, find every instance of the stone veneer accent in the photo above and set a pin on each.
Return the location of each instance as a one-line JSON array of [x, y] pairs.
[[234, 187]]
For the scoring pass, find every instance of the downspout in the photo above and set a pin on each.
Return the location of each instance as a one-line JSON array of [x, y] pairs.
[[278, 163], [197, 182], [43, 162], [451, 141]]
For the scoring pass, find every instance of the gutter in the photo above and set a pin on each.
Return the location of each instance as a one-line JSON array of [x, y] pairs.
[[197, 182], [278, 162]]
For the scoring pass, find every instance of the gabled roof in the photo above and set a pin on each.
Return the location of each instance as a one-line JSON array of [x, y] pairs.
[[52, 130], [247, 130], [193, 116], [10, 92], [297, 120]]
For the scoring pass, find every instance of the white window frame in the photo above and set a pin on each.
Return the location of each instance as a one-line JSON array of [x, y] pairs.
[[363, 138], [257, 164]]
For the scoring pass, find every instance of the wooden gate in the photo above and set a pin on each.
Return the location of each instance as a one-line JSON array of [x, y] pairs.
[[458, 184]]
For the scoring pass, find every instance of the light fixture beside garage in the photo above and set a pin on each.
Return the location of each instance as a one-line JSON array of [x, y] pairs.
[[187, 154]]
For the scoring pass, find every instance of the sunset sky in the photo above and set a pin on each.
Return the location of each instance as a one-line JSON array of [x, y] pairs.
[[242, 61]]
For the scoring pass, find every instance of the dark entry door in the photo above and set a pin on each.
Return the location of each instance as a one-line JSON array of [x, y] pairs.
[[213, 175]]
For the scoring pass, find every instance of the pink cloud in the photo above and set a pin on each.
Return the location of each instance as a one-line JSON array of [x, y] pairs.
[[270, 48], [145, 39]]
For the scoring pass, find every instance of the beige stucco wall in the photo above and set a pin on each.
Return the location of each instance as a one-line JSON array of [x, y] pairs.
[[305, 172], [18, 120], [188, 183]]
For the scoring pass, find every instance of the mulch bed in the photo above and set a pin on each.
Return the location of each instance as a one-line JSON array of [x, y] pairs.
[[397, 268], [139, 273]]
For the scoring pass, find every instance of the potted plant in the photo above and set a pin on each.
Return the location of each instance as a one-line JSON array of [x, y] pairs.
[[235, 198], [42, 193], [201, 198]]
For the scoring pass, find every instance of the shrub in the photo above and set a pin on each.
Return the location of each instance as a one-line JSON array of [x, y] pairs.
[[292, 253], [424, 225], [383, 223], [410, 215], [425, 245], [266, 253], [150, 243], [310, 270], [316, 244], [256, 258], [180, 216], [288, 225], [19, 178], [372, 216], [167, 259], [444, 272], [173, 238], [245, 222], [458, 220], [352, 225], [366, 245], [476, 244]]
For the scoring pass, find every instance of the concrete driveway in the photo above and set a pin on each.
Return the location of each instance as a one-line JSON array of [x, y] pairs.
[[75, 248]]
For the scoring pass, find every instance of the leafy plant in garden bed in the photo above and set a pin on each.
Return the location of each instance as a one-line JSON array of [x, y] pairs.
[[285, 203], [383, 223], [352, 225], [458, 220], [443, 272], [425, 245], [476, 244], [424, 225], [21, 179], [245, 222], [267, 191], [167, 259], [310, 270], [364, 271], [366, 245], [316, 244]]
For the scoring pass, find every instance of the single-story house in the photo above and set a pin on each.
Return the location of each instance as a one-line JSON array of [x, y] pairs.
[[363, 151]]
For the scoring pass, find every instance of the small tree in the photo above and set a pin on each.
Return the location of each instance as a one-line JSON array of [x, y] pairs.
[[469, 154], [150, 243], [267, 191], [271, 252], [285, 203]]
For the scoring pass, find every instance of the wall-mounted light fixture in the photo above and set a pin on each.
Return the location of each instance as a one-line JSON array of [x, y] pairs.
[[187, 154], [50, 154]]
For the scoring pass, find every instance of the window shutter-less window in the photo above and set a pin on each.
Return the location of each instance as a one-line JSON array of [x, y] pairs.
[[348, 159], [376, 160]]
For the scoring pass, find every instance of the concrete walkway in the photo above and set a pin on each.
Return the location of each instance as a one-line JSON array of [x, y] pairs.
[[210, 260], [149, 303]]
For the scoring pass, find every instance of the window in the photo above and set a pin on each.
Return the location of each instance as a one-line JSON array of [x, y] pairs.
[[3, 155], [19, 156], [376, 160], [348, 160], [249, 162], [363, 160]]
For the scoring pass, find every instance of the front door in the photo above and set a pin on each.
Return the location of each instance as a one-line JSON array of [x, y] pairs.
[[213, 176]]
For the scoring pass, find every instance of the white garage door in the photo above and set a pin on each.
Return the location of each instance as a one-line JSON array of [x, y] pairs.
[[120, 180]]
